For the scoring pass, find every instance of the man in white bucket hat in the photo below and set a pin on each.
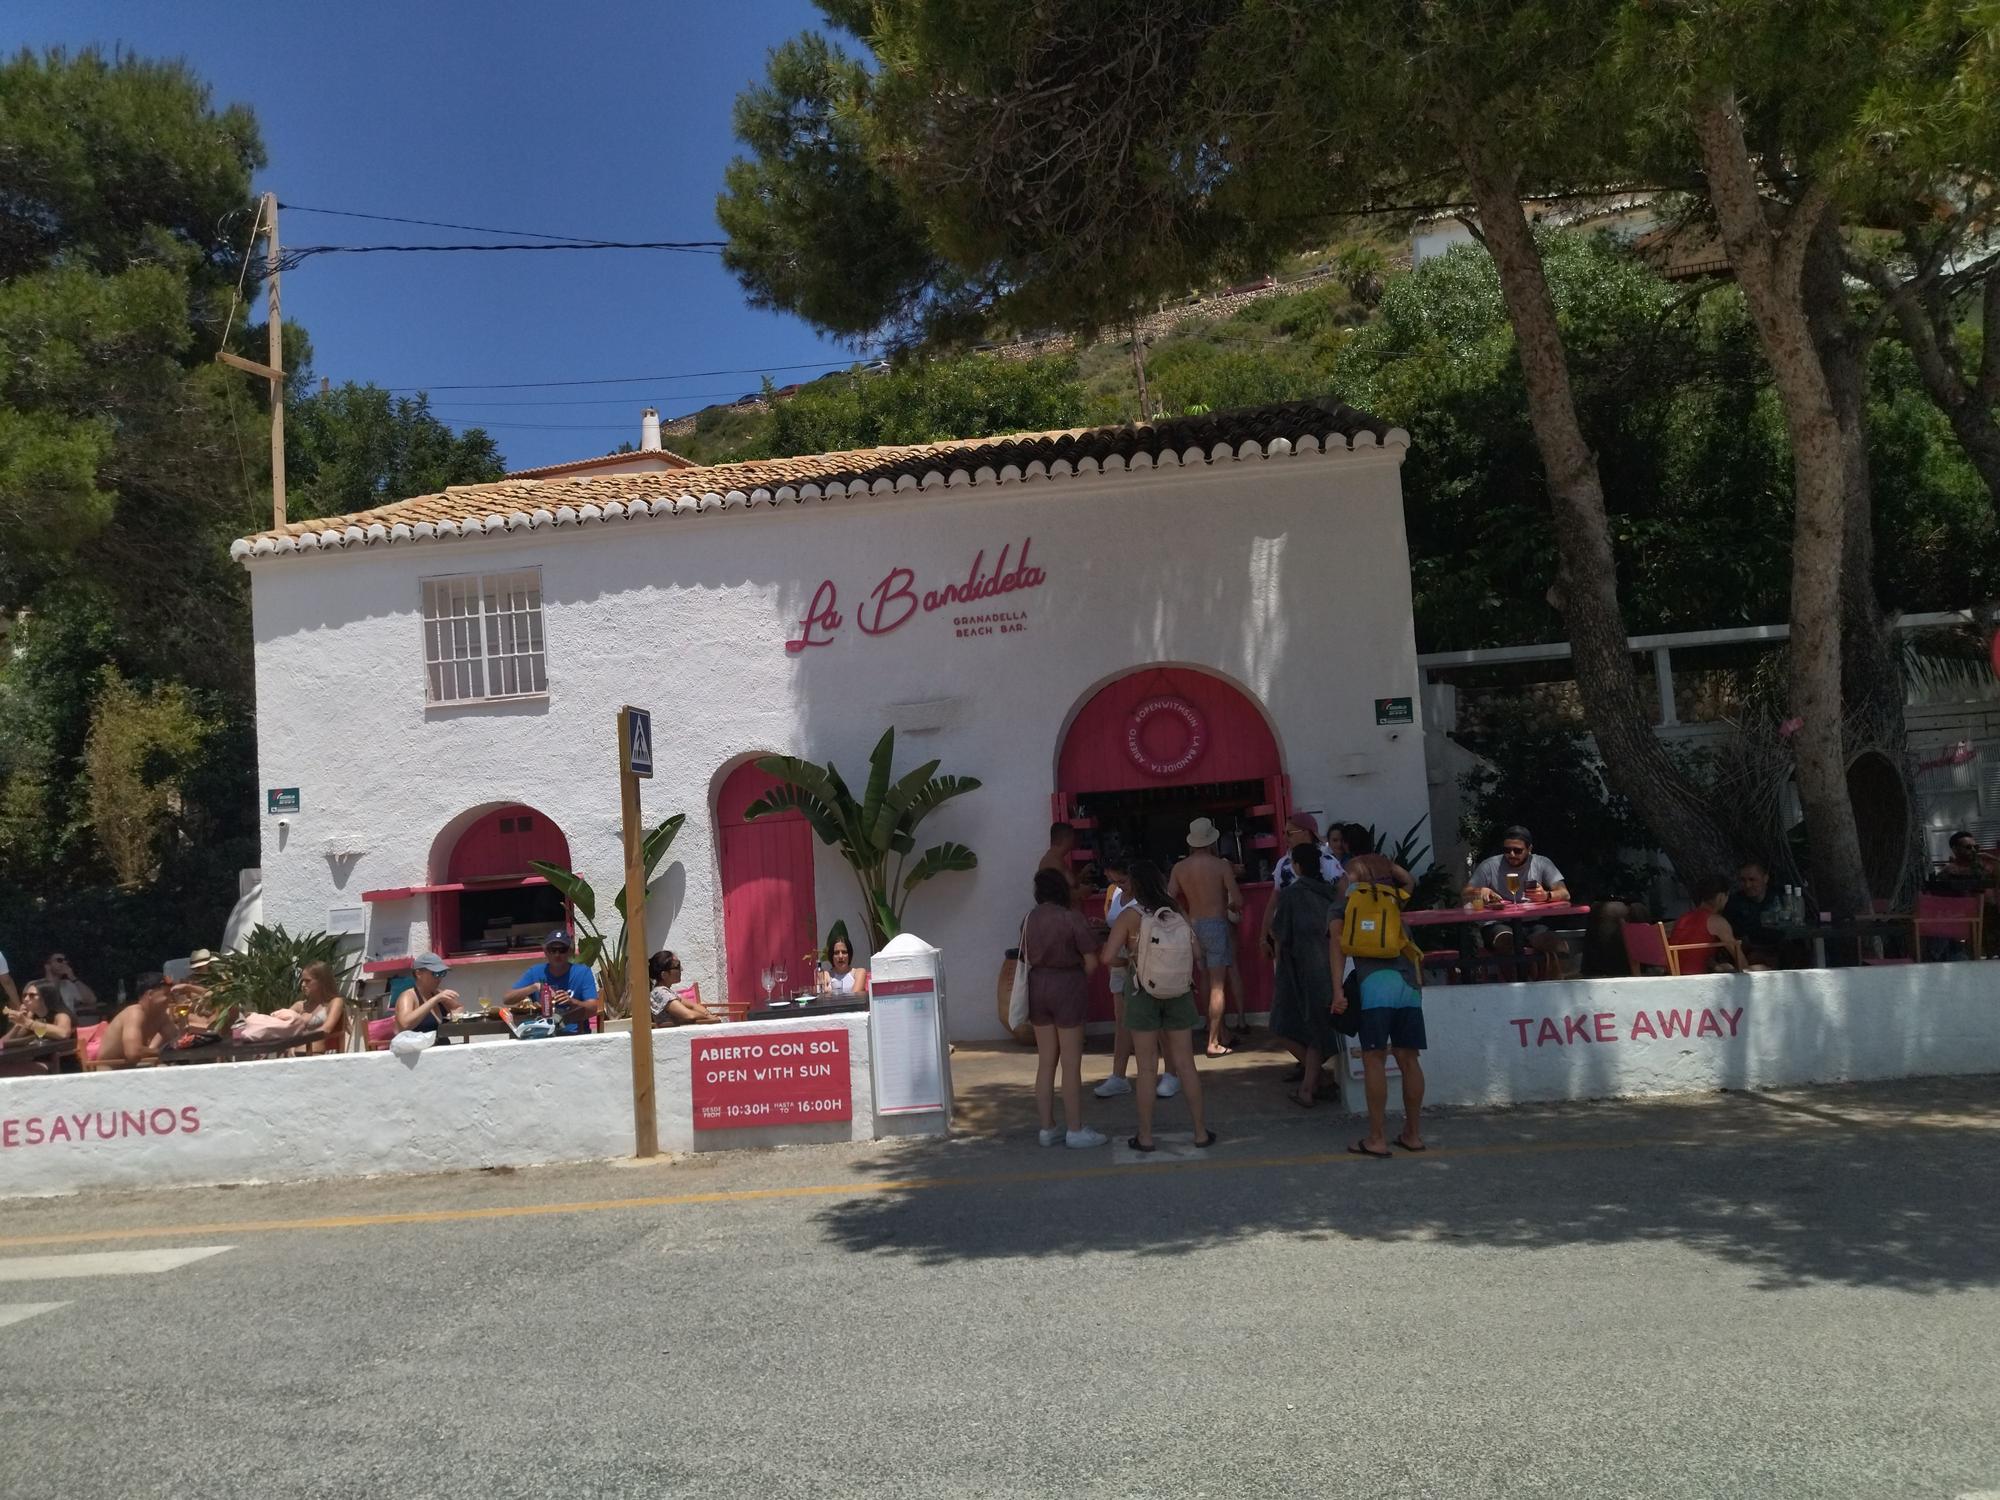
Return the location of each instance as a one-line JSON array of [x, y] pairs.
[[1205, 886]]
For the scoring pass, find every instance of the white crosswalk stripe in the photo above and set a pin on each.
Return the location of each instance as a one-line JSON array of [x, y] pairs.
[[103, 1263], [20, 1312]]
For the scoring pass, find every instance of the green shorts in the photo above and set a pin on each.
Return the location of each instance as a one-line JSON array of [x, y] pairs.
[[1143, 1012]]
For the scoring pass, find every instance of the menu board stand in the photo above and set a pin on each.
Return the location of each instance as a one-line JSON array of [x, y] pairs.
[[909, 1059]]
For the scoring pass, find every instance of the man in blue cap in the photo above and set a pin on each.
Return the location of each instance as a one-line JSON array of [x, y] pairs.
[[573, 987]]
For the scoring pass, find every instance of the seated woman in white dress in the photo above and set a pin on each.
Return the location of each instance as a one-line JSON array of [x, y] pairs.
[[841, 980]]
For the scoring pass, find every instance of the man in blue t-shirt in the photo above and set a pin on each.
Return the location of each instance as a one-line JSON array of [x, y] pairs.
[[575, 987]]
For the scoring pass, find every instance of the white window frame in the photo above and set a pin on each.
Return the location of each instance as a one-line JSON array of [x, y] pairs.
[[484, 637]]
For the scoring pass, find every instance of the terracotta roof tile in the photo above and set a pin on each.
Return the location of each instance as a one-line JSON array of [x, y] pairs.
[[673, 460], [517, 502]]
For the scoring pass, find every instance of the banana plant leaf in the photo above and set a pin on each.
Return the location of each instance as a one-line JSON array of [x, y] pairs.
[[826, 823], [652, 849], [874, 819], [575, 889], [937, 860]]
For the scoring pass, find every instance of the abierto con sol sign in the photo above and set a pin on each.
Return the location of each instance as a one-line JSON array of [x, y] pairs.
[[790, 1078]]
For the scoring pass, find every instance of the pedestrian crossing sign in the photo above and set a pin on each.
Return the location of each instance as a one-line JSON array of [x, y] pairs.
[[639, 741]]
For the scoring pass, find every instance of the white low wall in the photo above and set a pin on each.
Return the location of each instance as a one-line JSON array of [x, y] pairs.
[[495, 1104], [1600, 1038]]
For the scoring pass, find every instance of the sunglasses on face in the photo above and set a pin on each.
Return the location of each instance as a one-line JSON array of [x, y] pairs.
[[1519, 851], [555, 953]]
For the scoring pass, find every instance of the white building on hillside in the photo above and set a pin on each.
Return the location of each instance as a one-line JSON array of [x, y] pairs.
[[1127, 627]]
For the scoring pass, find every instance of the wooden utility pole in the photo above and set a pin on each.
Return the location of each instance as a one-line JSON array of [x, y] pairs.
[[635, 759], [274, 372]]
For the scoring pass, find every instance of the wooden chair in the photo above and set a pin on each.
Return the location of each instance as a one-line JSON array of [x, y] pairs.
[[1646, 947]]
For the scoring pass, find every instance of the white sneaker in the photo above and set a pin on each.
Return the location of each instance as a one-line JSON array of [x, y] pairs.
[[1169, 1086], [1113, 1086], [1051, 1137], [1084, 1139]]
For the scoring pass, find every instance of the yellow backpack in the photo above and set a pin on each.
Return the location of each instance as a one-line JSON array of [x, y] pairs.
[[1373, 926]]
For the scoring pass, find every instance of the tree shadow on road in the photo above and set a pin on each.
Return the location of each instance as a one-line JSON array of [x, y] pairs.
[[1836, 1187]]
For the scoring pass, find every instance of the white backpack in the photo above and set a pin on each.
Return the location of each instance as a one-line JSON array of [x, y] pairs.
[[1166, 954]]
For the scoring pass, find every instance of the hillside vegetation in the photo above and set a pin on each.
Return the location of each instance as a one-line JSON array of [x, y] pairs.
[[1670, 387]]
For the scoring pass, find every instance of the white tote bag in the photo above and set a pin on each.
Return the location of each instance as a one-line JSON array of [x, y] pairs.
[[1017, 1000]]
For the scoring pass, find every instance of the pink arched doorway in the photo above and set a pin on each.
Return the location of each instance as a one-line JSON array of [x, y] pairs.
[[1148, 753], [490, 899], [767, 886]]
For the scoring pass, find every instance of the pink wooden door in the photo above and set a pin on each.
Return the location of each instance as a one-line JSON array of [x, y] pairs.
[[767, 888]]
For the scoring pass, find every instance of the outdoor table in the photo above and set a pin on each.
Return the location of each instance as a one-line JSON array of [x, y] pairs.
[[795, 1010], [466, 1027], [1517, 915], [1862, 928], [270, 1046], [49, 1049]]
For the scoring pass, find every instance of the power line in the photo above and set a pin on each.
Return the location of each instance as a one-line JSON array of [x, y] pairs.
[[541, 426], [535, 385], [530, 234], [583, 401], [298, 255]]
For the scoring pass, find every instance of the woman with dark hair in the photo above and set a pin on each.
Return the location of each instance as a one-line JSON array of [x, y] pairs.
[[1302, 992], [1060, 951], [673, 1005], [1157, 1021], [39, 1017], [842, 981]]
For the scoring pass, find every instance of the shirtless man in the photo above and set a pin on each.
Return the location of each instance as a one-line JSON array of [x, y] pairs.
[[1205, 887], [141, 1029], [1062, 839]]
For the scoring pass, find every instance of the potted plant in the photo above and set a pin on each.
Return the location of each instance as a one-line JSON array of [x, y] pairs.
[[597, 948], [874, 829]]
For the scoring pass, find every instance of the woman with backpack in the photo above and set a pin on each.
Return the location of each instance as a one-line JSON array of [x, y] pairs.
[[1060, 951], [1303, 987], [1159, 997]]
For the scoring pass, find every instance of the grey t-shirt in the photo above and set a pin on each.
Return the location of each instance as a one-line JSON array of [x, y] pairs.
[[1539, 870]]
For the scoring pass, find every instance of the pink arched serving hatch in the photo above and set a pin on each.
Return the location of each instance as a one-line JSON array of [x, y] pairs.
[[1166, 726], [1150, 752], [767, 887], [486, 901]]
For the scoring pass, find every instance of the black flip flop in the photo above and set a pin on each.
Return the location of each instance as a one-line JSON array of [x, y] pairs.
[[1301, 1103], [1402, 1145], [1134, 1144], [1204, 1145], [1358, 1149]]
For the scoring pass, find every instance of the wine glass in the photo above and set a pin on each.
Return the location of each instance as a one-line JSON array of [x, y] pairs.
[[769, 979]]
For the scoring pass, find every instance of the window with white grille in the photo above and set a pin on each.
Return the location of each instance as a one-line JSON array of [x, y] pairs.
[[483, 637]]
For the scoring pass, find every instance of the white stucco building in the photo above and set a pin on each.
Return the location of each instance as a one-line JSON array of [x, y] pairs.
[[1126, 626]]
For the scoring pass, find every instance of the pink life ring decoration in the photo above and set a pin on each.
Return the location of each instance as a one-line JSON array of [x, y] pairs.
[[1192, 736]]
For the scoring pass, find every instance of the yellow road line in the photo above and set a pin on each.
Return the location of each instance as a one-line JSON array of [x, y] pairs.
[[805, 1190]]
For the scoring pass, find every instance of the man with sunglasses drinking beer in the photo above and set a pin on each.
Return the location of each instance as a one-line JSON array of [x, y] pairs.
[[572, 988]]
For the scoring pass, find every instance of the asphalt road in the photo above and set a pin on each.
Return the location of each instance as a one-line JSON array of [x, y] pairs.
[[1742, 1296]]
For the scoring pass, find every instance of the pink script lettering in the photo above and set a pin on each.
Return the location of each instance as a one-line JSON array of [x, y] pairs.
[[821, 617]]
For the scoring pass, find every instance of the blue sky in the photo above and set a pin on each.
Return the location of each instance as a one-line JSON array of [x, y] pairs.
[[607, 120]]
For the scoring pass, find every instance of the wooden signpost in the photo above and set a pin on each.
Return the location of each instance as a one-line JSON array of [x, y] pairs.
[[635, 760]]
